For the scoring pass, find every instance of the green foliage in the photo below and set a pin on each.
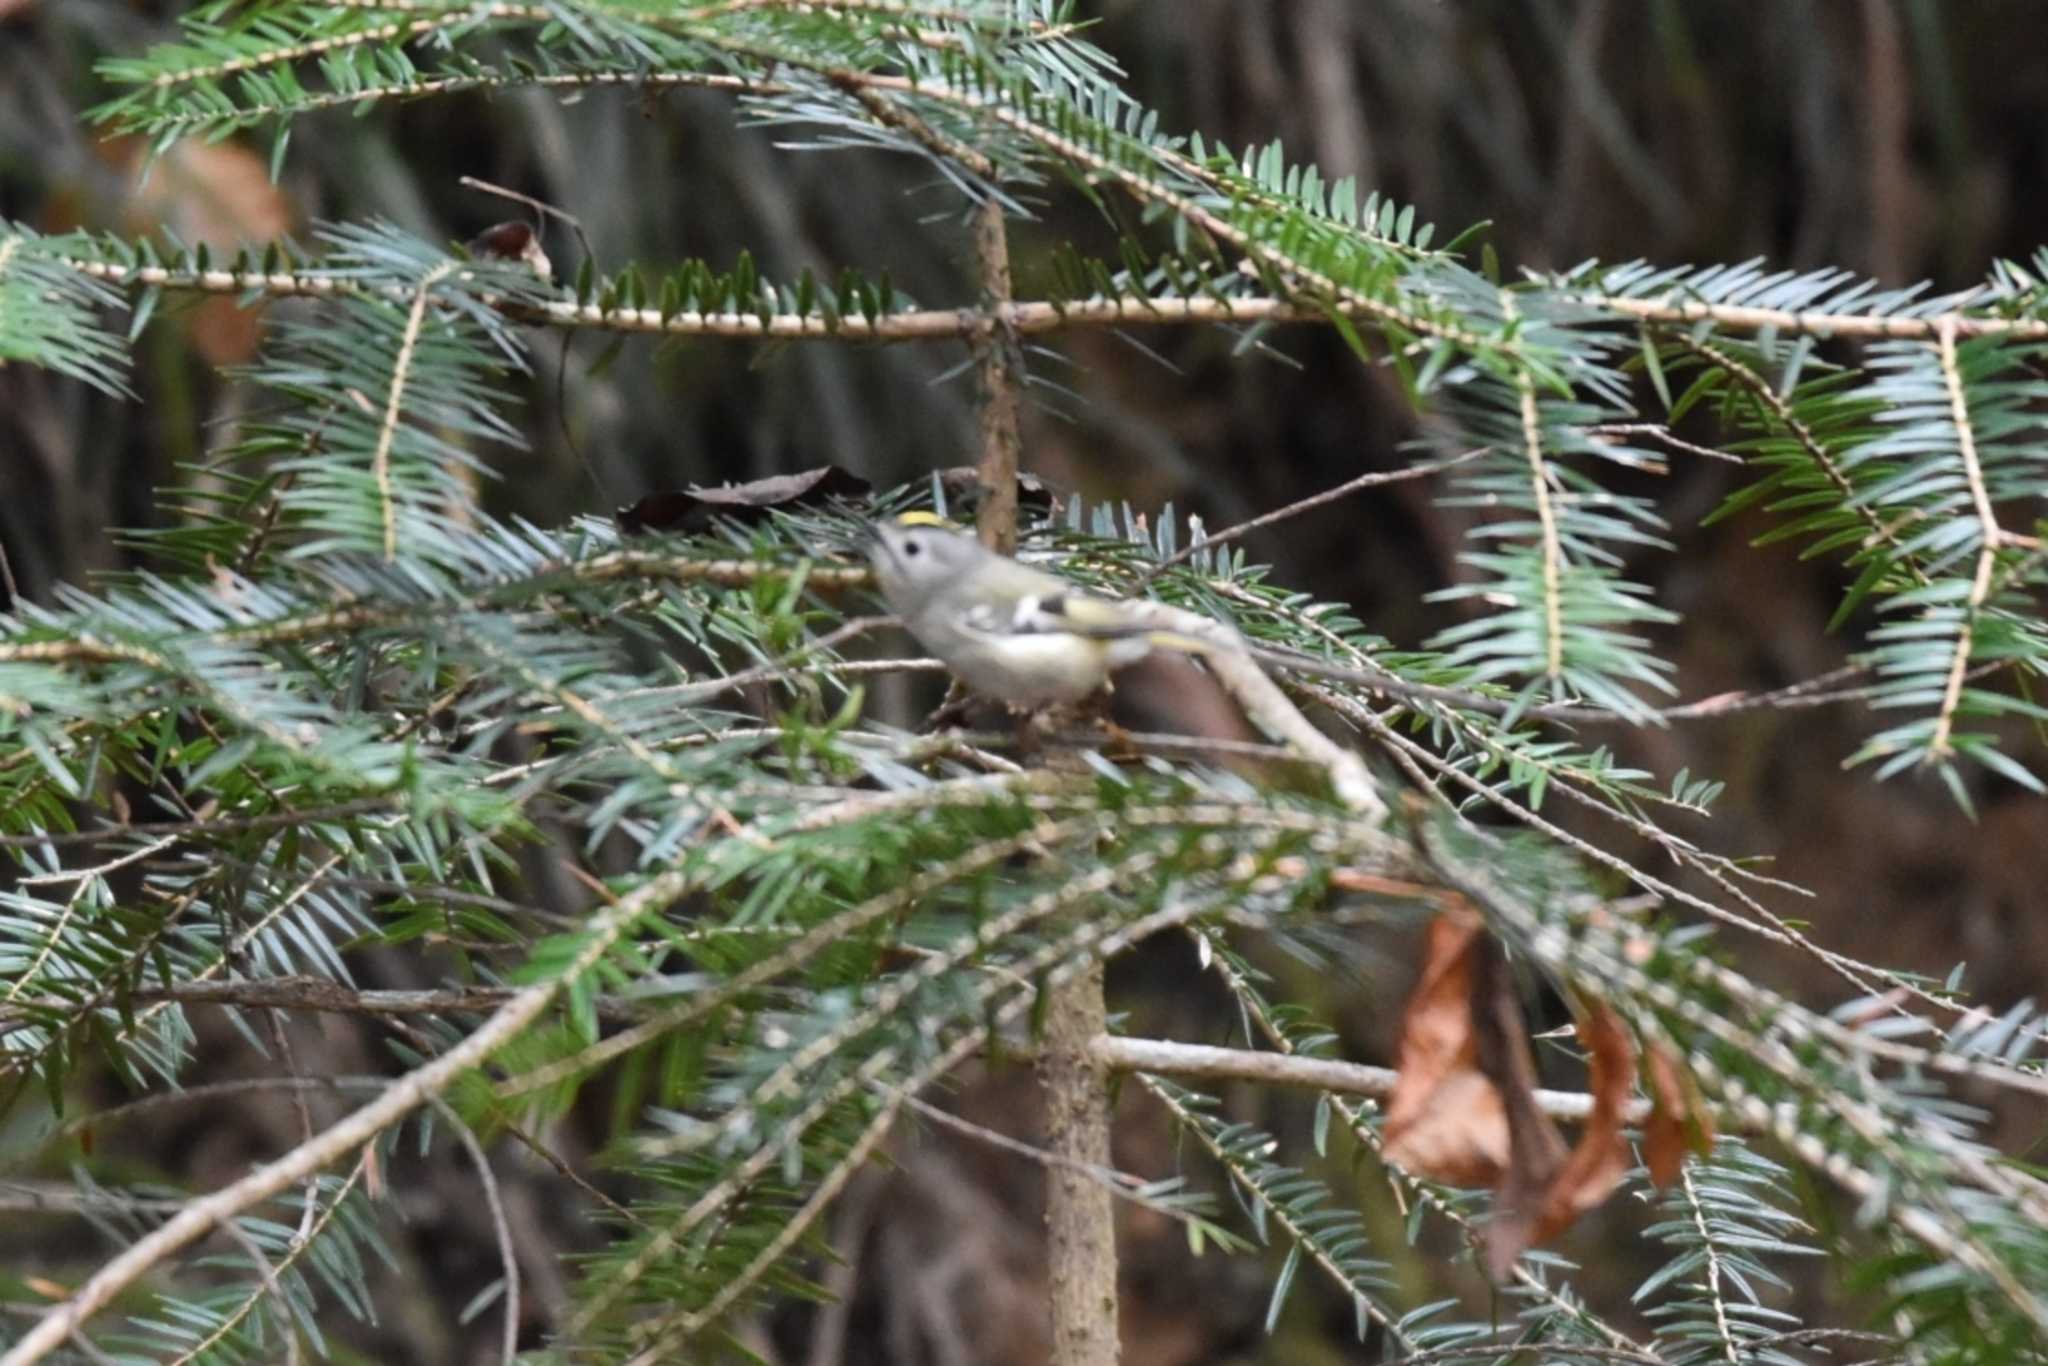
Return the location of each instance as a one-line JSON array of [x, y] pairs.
[[343, 706], [49, 312]]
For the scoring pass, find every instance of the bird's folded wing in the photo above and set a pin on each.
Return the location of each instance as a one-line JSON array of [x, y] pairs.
[[1079, 614]]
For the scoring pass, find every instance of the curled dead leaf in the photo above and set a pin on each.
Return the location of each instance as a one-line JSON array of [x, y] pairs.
[[1536, 1151], [513, 241], [1601, 1158], [1679, 1120], [1464, 1109], [1445, 1119]]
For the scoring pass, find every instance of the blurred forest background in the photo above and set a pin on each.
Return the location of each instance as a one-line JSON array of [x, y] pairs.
[[1905, 139]]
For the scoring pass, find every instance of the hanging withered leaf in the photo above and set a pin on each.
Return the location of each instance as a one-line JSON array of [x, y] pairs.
[[1679, 1120], [1464, 1110], [513, 241], [1541, 1198], [692, 509], [1445, 1119]]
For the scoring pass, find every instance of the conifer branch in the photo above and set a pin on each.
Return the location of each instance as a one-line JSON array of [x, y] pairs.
[[268, 1286], [1769, 400], [360, 695], [1988, 540], [401, 370], [1367, 1135], [665, 1241], [1023, 318], [342, 1137], [1546, 518], [1737, 318], [681, 1327], [819, 937], [1711, 1269], [287, 54], [1247, 1177]]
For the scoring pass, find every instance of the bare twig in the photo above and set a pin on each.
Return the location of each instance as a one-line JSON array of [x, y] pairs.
[[852, 1223], [7, 581], [507, 1258], [1662, 434], [1329, 495], [306, 993], [226, 825], [302, 1106], [193, 1095], [1167, 1058], [692, 694], [1120, 1184], [539, 206]]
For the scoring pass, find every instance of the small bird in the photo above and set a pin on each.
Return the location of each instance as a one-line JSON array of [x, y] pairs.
[[1031, 639], [1011, 632]]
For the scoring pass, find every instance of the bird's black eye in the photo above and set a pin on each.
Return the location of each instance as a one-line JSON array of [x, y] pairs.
[[913, 547]]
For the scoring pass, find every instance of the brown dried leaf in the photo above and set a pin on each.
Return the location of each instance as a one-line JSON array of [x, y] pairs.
[[1679, 1120], [513, 241], [1536, 1150], [1601, 1158], [1542, 1195], [219, 193], [1445, 1119], [225, 332], [1464, 1108], [214, 192]]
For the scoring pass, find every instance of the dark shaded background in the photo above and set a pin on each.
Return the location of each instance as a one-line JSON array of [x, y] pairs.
[[1908, 140]]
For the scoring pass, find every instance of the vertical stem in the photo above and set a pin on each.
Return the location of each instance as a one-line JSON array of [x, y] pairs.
[[1080, 1218], [996, 372]]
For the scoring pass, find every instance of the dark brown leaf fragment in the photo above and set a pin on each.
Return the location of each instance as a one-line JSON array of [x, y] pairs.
[[692, 509], [1679, 1120]]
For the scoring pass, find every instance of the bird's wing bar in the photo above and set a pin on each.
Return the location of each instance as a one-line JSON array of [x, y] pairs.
[[1078, 614]]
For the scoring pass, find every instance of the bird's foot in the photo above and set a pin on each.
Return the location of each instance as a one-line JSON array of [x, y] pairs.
[[953, 710], [1090, 717]]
